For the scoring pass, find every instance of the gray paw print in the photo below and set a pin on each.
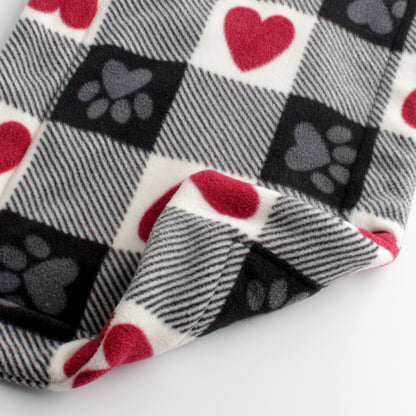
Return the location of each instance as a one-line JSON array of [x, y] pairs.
[[376, 14], [311, 154], [277, 296], [34, 273], [114, 93]]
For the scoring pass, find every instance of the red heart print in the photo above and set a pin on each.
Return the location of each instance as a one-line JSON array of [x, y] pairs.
[[86, 352], [253, 42], [123, 344], [14, 142], [87, 377], [45, 6], [409, 109], [153, 213], [126, 343], [77, 14], [81, 357], [383, 239], [226, 195]]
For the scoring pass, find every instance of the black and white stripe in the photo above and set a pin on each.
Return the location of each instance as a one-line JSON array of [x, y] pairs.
[[321, 246], [299, 195], [229, 276], [166, 30], [222, 123], [34, 65], [384, 91], [181, 269], [391, 179], [306, 6], [78, 182], [410, 43], [110, 285], [24, 356], [341, 70]]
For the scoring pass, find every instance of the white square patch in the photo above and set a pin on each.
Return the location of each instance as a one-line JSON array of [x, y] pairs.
[[257, 43], [160, 175]]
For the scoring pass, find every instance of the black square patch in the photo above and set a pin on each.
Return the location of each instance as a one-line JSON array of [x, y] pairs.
[[120, 94], [320, 152], [45, 276], [265, 284], [383, 22]]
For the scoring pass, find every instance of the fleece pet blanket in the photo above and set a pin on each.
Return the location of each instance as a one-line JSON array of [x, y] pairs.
[[168, 167]]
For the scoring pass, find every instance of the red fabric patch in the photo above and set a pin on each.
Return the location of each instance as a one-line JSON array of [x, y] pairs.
[[14, 142], [85, 353], [126, 343], [226, 195], [254, 43], [383, 239], [409, 109], [153, 213], [45, 6], [87, 377], [81, 357], [77, 14]]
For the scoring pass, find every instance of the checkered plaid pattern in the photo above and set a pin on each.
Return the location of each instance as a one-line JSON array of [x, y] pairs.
[[133, 125]]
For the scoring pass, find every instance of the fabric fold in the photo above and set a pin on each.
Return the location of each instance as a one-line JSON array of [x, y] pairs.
[[221, 250], [168, 168]]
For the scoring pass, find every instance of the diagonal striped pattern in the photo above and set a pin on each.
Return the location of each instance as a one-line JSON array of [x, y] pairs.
[[321, 246], [229, 276], [345, 79], [410, 43], [385, 89], [34, 65], [309, 6], [299, 195], [110, 285], [213, 120], [166, 30], [82, 183], [79, 183], [181, 268], [391, 178], [24, 356]]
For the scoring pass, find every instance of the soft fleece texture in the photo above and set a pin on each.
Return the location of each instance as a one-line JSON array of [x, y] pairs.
[[170, 167]]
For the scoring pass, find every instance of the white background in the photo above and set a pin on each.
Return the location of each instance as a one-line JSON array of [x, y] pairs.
[[349, 350]]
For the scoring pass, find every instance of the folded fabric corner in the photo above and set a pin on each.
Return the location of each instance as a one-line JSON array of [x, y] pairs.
[[221, 250], [168, 168]]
